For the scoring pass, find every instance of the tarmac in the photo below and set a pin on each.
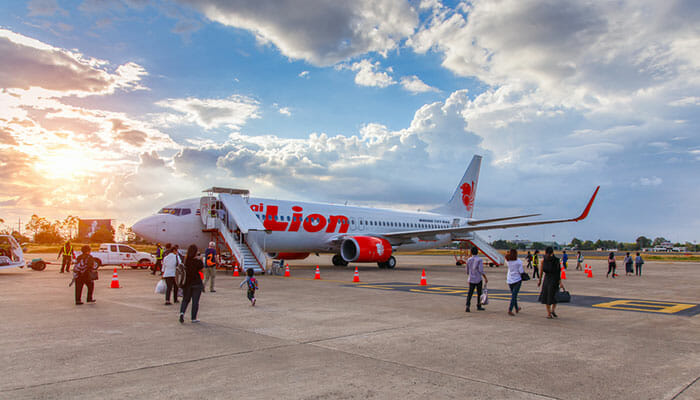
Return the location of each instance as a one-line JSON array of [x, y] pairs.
[[332, 339]]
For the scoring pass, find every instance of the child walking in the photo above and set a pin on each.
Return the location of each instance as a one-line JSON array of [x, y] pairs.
[[252, 285]]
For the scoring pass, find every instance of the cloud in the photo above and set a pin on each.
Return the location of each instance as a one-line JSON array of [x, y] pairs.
[[651, 181], [285, 111], [232, 112], [369, 74], [320, 32], [304, 74], [414, 85], [31, 64], [45, 8]]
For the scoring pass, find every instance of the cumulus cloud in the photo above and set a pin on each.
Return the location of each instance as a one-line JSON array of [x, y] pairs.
[[304, 74], [31, 64], [370, 74], [232, 112], [320, 32], [285, 111], [415, 85]]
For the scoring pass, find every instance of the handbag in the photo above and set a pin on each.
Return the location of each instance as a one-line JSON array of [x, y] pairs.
[[485, 297], [524, 277], [563, 296]]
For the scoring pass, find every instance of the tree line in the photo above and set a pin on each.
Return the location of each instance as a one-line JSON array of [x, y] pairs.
[[640, 243], [45, 231]]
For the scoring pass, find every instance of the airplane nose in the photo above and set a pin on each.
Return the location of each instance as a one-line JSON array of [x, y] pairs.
[[146, 228]]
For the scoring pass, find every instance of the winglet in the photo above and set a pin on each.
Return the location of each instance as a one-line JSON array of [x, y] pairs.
[[584, 214]]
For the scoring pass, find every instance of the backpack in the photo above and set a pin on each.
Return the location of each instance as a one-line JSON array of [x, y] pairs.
[[252, 283], [180, 274]]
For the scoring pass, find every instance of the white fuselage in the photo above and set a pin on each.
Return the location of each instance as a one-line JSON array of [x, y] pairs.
[[299, 227]]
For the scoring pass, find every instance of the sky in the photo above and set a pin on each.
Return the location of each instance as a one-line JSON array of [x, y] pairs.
[[115, 108]]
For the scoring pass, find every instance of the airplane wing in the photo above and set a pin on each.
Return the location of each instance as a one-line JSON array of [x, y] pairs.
[[488, 221], [432, 233]]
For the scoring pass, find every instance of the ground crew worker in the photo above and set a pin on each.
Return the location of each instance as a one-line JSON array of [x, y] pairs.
[[159, 259], [211, 261], [68, 254], [536, 264]]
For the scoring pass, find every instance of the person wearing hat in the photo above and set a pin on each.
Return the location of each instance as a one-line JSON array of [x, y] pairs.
[[211, 261]]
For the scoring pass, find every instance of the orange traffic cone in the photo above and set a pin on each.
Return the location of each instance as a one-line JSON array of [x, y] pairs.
[[115, 280], [318, 273], [423, 281], [286, 271], [356, 277], [235, 270], [563, 273], [590, 272]]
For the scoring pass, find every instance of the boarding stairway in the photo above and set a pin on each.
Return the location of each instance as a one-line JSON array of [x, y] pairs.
[[234, 228]]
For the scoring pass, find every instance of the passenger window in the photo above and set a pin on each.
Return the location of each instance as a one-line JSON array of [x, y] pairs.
[[113, 248], [126, 249], [185, 211]]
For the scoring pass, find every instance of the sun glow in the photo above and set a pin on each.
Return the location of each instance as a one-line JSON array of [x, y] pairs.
[[66, 164]]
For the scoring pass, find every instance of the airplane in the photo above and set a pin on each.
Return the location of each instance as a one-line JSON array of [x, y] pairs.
[[254, 228]]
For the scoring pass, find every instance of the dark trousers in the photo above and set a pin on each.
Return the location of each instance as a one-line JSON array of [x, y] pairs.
[[79, 289], [191, 293], [535, 271], [170, 286], [514, 289], [611, 268], [478, 293], [638, 269], [157, 266], [66, 264]]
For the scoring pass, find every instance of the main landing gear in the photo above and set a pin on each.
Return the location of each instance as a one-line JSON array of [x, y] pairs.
[[338, 261], [390, 263]]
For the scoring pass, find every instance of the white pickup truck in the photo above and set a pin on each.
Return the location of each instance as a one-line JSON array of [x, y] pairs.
[[117, 254]]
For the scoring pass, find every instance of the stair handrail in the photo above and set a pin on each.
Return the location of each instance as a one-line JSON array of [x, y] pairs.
[[231, 242], [258, 253]]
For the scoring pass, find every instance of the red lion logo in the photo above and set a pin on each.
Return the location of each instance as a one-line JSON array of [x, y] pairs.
[[467, 195]]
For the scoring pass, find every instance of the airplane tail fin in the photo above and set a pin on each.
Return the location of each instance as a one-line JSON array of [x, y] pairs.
[[462, 201]]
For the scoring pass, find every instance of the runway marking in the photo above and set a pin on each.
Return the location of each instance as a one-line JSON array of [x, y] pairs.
[[646, 306], [609, 303]]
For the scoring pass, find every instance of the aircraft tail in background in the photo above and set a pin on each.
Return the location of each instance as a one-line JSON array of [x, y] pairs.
[[462, 202]]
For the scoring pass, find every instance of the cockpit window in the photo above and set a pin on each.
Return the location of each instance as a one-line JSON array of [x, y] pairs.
[[175, 211]]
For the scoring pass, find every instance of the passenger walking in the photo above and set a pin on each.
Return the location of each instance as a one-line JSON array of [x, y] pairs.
[[611, 265], [552, 281], [529, 260], [475, 269], [579, 261], [628, 265], [536, 265], [159, 260], [212, 260], [564, 259], [68, 254], [84, 271], [638, 262], [252, 285], [514, 279], [193, 284], [170, 262]]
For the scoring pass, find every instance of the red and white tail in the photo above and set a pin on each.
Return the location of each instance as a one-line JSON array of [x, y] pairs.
[[462, 202]]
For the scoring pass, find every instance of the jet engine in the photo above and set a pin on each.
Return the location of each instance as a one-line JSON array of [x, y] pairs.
[[365, 249], [288, 256]]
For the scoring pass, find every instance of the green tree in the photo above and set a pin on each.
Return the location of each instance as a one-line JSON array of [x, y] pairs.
[[70, 224], [49, 232], [576, 243], [36, 224], [538, 246], [657, 241], [587, 245], [643, 242], [19, 237]]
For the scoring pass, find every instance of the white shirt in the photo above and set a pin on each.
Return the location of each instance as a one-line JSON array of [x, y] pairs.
[[515, 268], [169, 263]]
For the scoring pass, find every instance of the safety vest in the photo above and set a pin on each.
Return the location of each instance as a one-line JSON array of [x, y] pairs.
[[159, 254], [535, 260], [67, 250]]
